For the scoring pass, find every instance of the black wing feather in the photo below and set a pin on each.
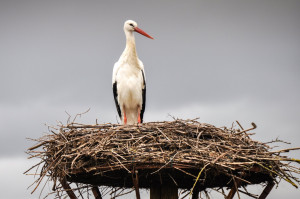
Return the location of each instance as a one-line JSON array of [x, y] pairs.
[[115, 91], [144, 98]]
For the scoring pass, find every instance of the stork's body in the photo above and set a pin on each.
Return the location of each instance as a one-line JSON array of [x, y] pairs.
[[129, 85]]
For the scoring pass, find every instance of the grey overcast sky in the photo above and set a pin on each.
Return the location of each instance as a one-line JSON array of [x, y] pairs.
[[218, 60]]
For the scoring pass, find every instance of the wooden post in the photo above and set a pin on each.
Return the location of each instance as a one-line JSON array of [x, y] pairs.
[[163, 191], [135, 180], [96, 192], [67, 188], [267, 190], [231, 193], [196, 191], [234, 188]]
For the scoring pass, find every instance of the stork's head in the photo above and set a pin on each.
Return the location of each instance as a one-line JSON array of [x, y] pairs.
[[130, 26]]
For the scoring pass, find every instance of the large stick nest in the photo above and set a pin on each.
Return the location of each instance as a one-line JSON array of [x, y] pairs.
[[179, 152]]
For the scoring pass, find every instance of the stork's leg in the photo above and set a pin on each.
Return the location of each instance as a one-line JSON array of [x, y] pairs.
[[139, 115], [125, 118], [124, 115]]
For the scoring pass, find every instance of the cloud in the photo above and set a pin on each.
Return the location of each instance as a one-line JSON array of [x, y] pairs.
[[14, 183], [21, 121]]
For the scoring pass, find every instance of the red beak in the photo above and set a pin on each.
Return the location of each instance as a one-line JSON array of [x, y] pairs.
[[136, 29]]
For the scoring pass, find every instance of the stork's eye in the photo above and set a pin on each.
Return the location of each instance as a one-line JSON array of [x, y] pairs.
[[131, 24]]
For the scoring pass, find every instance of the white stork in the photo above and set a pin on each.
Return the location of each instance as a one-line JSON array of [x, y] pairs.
[[129, 86]]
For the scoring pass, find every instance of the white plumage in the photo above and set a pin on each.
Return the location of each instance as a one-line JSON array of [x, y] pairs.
[[129, 86]]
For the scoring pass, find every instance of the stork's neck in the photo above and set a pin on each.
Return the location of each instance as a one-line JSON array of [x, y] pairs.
[[129, 54]]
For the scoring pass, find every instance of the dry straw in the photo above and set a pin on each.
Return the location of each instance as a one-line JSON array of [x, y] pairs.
[[193, 155]]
